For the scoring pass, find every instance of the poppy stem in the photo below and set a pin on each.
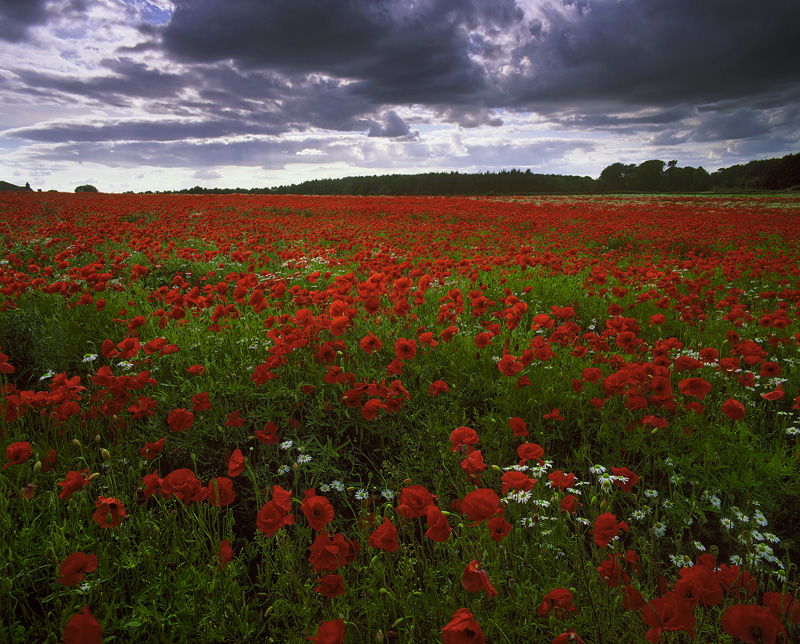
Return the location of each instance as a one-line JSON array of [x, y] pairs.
[[588, 592]]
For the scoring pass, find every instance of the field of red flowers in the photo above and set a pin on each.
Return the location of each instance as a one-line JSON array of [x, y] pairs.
[[277, 419]]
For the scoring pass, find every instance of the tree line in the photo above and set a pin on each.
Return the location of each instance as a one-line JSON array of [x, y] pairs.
[[649, 176]]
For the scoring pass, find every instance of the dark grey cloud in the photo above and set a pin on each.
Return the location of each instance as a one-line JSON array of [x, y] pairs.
[[392, 126], [644, 53], [395, 51], [126, 81], [17, 15]]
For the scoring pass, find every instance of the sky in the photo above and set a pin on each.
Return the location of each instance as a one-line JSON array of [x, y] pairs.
[[170, 94]]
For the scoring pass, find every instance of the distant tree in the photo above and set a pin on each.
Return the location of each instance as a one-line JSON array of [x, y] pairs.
[[86, 188], [647, 176], [615, 177]]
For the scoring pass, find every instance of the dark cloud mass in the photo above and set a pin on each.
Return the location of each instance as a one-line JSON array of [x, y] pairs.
[[270, 83], [17, 15]]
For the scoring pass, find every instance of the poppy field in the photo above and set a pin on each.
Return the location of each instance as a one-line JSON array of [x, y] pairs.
[[249, 418]]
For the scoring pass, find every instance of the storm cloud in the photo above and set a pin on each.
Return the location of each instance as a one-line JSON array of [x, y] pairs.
[[414, 85]]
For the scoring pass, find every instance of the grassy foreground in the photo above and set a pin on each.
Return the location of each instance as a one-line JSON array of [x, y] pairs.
[[273, 419]]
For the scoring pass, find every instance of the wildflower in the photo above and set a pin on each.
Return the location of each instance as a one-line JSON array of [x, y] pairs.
[[83, 628], [304, 458], [109, 512], [362, 495], [558, 601], [475, 579], [74, 566], [286, 445], [463, 629]]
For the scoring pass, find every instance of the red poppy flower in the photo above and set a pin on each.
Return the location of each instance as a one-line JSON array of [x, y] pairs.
[[739, 583], [151, 450], [474, 579], [329, 632], [331, 553], [184, 485], [606, 528], [236, 463], [568, 504], [568, 637], [480, 504], [220, 492], [318, 510], [331, 585], [558, 601], [405, 349], [370, 408], [632, 479], [73, 568], [530, 451], [483, 339], [234, 420], [370, 343], [109, 512], [783, 605], [438, 387], [384, 537], [438, 526], [267, 435], [559, 480], [777, 394], [18, 453], [733, 409], [225, 554], [83, 628], [699, 584], [697, 387], [668, 613], [274, 514], [518, 426], [611, 572], [753, 624], [74, 482], [414, 501], [179, 420], [514, 480], [463, 437], [462, 629], [498, 528], [473, 464], [200, 402], [196, 370]]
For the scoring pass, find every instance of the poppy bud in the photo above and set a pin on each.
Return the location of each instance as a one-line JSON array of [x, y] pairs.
[[94, 477], [104, 454], [37, 466], [496, 468], [76, 442], [97, 438], [341, 616], [604, 504], [379, 637], [397, 622]]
